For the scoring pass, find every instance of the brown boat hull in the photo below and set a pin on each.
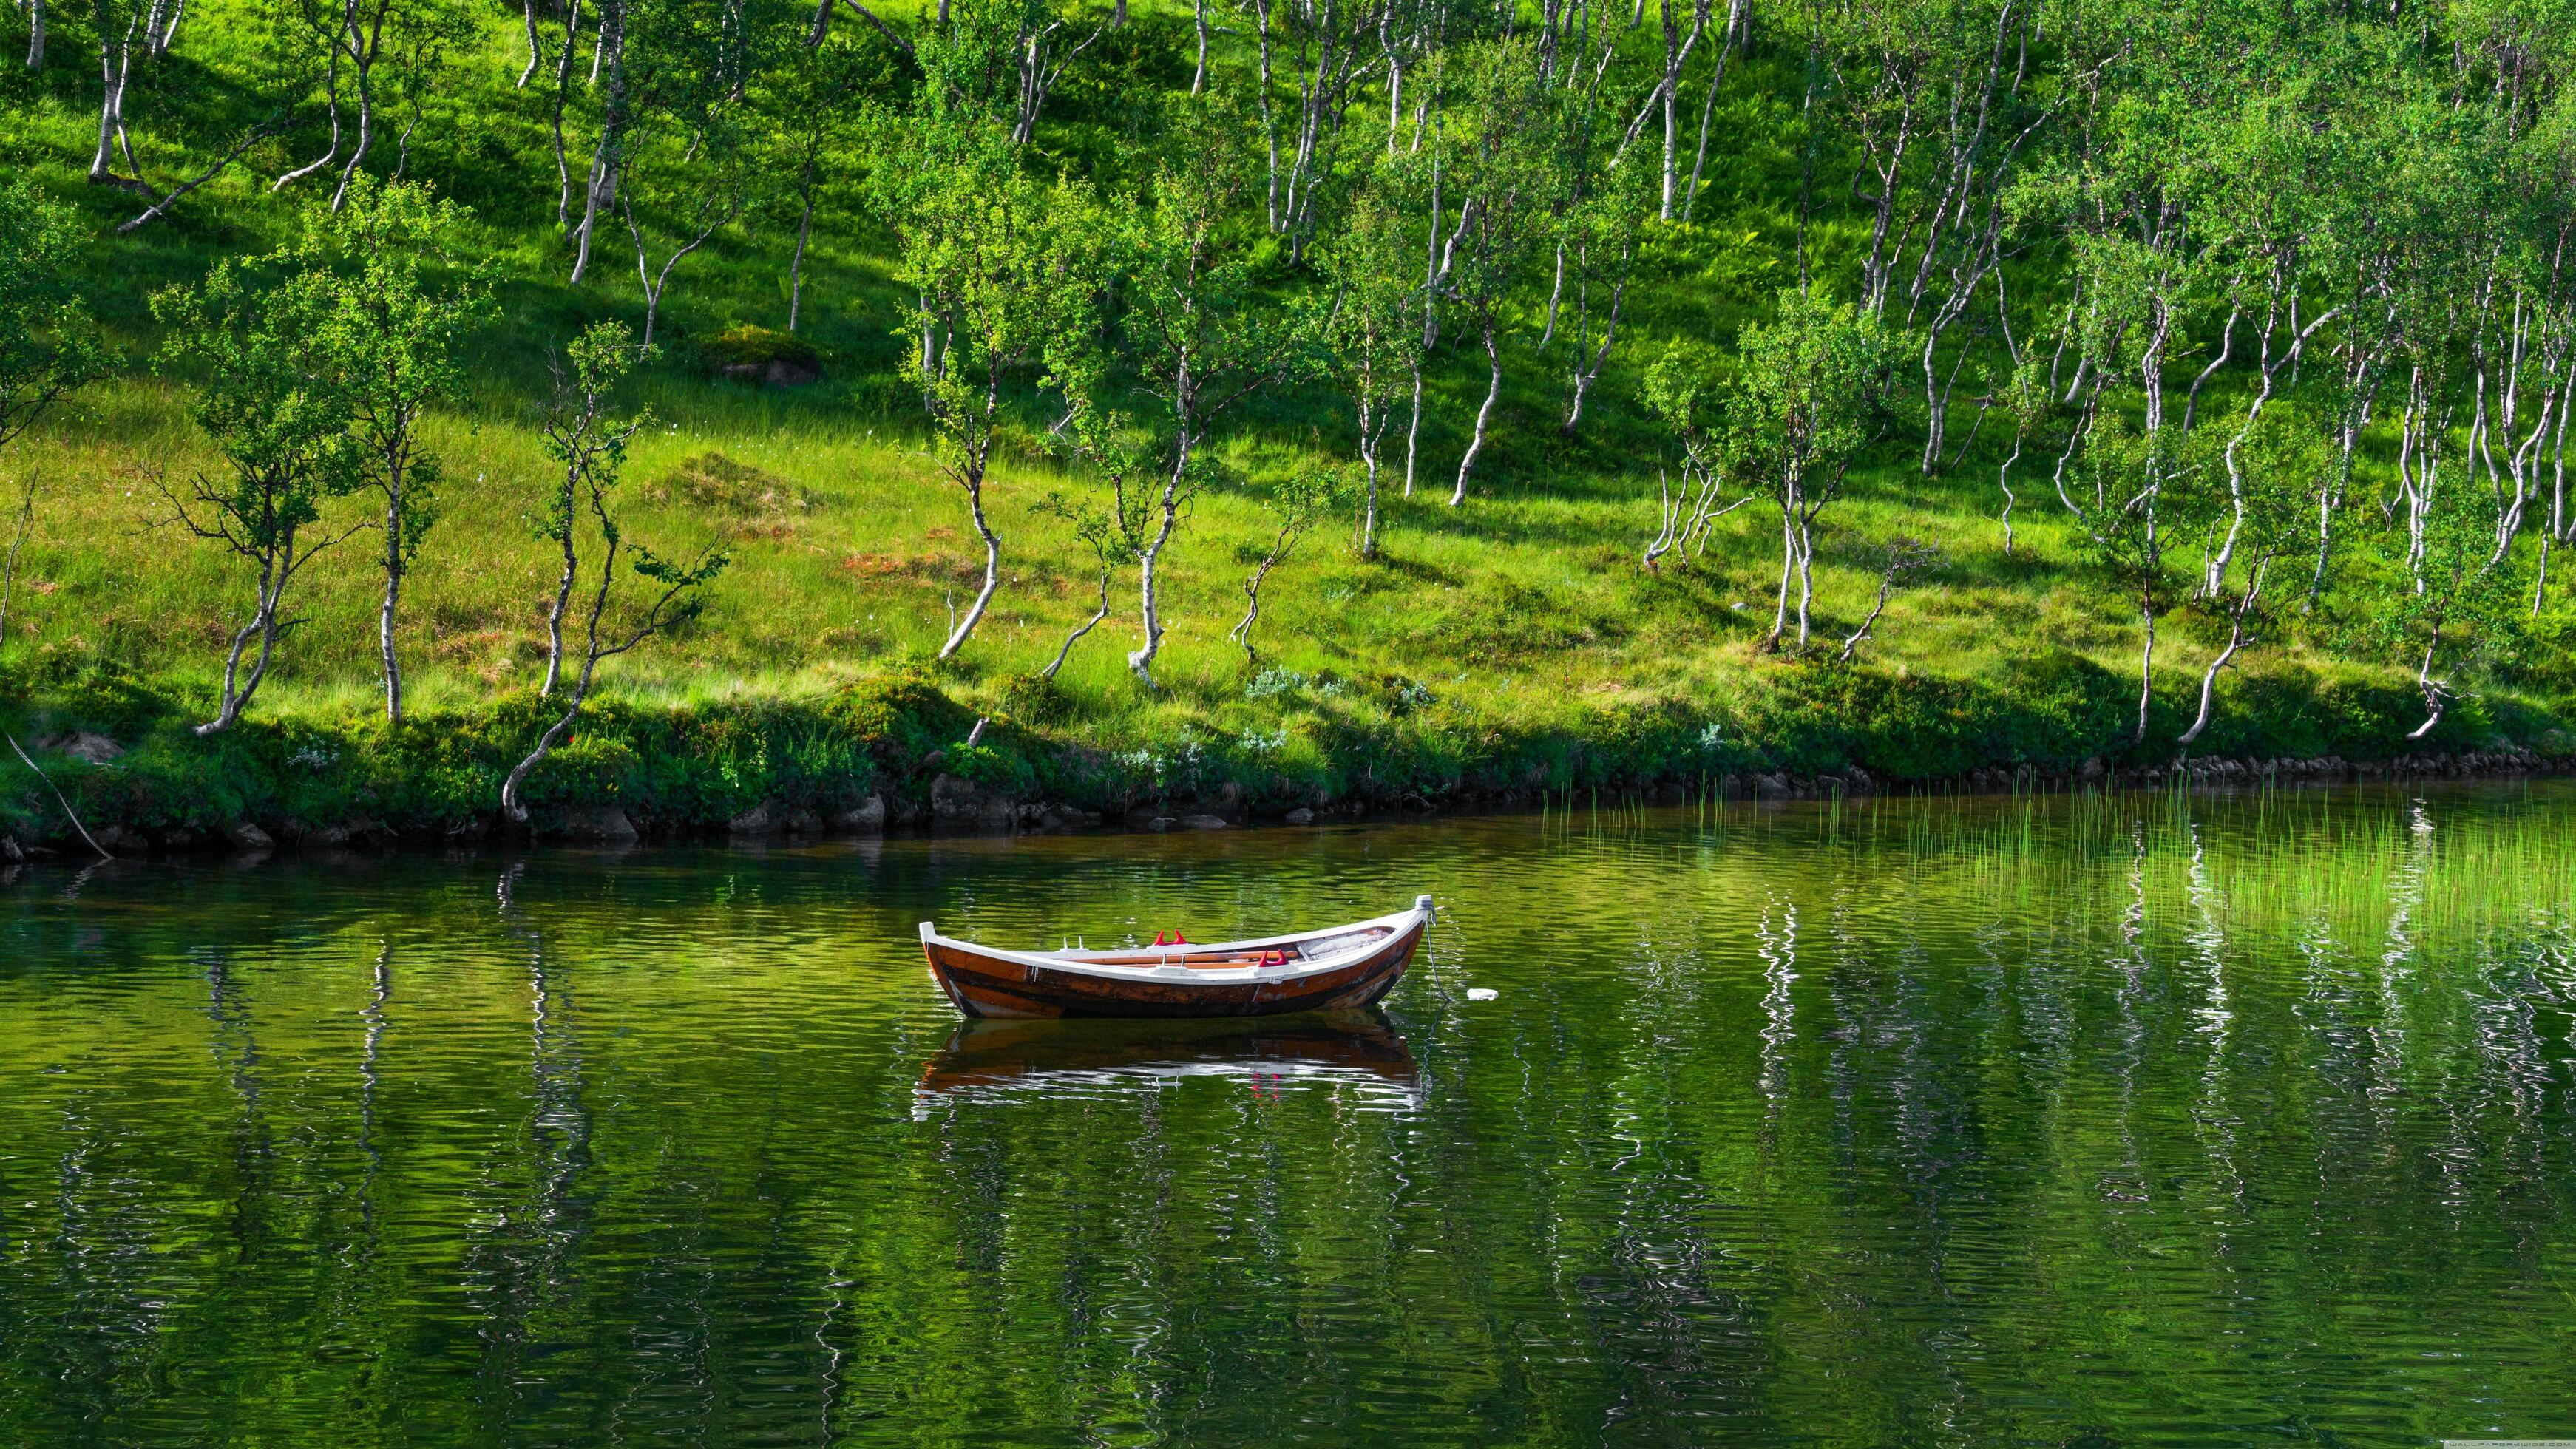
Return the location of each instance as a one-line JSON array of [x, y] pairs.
[[986, 986]]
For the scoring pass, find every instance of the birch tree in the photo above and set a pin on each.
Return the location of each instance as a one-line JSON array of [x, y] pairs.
[[1502, 177], [274, 408], [373, 52], [2275, 468], [810, 106], [2133, 493], [1197, 330], [587, 444], [1006, 269], [1323, 46], [1295, 504], [693, 183], [1603, 234], [612, 622], [1373, 333], [134, 36], [395, 301], [1806, 397], [2446, 594], [1684, 390]]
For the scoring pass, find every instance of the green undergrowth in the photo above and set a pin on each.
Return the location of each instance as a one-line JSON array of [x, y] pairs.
[[1290, 740]]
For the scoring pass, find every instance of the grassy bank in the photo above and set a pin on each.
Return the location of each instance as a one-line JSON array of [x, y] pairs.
[[893, 746], [1505, 647]]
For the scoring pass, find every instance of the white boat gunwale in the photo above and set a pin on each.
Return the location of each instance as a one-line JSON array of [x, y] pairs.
[[1087, 962]]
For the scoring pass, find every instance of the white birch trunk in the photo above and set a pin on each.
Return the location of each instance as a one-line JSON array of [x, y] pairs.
[[1484, 413]]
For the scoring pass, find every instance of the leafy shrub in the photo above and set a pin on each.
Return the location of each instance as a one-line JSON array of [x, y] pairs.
[[587, 769], [2054, 708], [901, 717], [996, 767], [1275, 681], [1035, 698], [1400, 696]]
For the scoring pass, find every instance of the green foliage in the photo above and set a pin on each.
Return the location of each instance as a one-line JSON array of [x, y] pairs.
[[579, 436], [1035, 698], [1176, 298], [104, 696], [901, 717], [388, 328], [49, 344], [1807, 394], [749, 344], [279, 405]]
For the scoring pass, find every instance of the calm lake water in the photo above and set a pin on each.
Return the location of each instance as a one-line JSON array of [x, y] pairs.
[[2139, 1120]]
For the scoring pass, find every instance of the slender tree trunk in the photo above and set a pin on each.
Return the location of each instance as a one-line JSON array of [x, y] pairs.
[[1672, 136], [362, 55], [115, 65], [35, 34], [1493, 390], [563, 597], [1585, 372], [1788, 566], [331, 106], [1555, 291], [1413, 429], [511, 803], [2432, 688], [1806, 580], [1394, 89], [1878, 606], [1140, 661], [2146, 671], [1198, 78], [974, 486], [1369, 412], [603, 179], [603, 161], [1430, 311], [237, 692], [1708, 107], [796, 265], [1242, 631], [562, 96], [536, 51], [2209, 684], [394, 567]]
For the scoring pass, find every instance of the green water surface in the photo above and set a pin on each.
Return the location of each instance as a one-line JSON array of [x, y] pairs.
[[2125, 1121]]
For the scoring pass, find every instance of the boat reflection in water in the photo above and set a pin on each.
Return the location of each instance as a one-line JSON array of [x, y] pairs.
[[1105, 1058]]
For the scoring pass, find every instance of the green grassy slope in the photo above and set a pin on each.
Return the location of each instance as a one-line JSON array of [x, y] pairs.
[[1510, 642]]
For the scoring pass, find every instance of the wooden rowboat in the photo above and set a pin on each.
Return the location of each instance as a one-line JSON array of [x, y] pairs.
[[1327, 970]]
